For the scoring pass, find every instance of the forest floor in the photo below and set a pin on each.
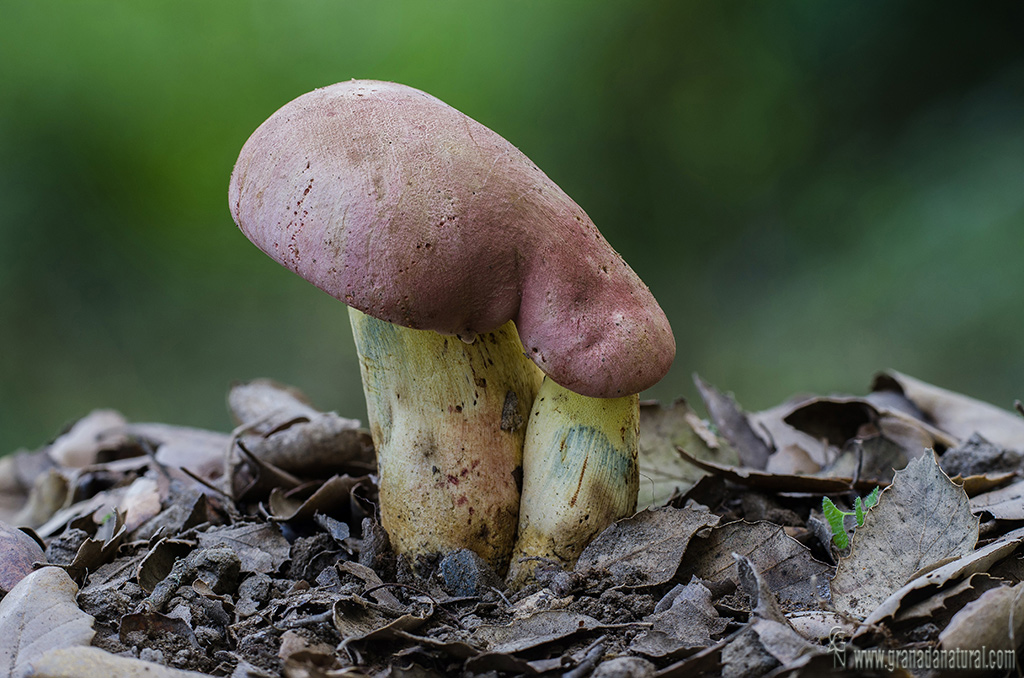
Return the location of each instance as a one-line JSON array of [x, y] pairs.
[[762, 548]]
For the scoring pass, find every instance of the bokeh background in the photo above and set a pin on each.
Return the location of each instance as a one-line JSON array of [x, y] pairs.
[[814, 190]]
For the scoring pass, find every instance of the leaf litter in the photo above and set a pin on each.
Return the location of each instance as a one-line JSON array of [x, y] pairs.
[[158, 550]]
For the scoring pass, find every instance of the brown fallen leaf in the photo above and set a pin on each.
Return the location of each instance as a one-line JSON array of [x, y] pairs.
[[777, 482], [955, 413], [662, 472], [920, 519], [199, 451], [1006, 503], [531, 632], [48, 493], [768, 642], [357, 619], [77, 662], [976, 455], [101, 547], [332, 497], [734, 425], [18, 552], [795, 576], [280, 427], [687, 624], [980, 560], [40, 614], [770, 425], [260, 547], [950, 599], [81, 445], [995, 621], [645, 550]]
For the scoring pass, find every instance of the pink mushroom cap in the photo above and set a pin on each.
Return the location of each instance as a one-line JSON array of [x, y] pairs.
[[410, 211]]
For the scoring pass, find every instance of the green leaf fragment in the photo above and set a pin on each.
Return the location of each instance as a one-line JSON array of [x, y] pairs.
[[835, 520]]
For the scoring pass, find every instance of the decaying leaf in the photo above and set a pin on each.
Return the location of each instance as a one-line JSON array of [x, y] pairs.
[[662, 472], [976, 456], [995, 621], [101, 547], [921, 519], [734, 425], [330, 497], [48, 493], [645, 550], [768, 641], [1006, 503], [199, 451], [279, 427], [91, 661], [81, 444], [687, 623], [950, 599], [976, 561], [795, 577], [534, 631], [777, 482], [141, 627], [955, 413], [357, 619], [770, 425], [260, 547], [40, 614], [818, 626], [18, 553]]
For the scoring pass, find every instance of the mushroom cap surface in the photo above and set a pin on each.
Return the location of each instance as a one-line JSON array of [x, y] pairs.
[[410, 211]]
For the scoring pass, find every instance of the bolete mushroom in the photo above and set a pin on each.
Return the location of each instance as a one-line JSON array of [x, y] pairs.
[[430, 226]]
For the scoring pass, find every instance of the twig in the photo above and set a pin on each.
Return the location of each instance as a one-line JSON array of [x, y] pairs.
[[594, 652]]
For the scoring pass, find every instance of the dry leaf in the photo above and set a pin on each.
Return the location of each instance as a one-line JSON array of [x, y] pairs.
[[768, 641], [976, 455], [18, 552], [776, 482], [40, 614], [733, 425], [260, 547], [77, 662], [995, 621], [770, 425], [81, 445], [279, 427], [687, 624], [921, 519], [645, 550], [1006, 503], [197, 450], [976, 561], [955, 413], [357, 619], [952, 598], [783, 562], [662, 472], [331, 497], [534, 631]]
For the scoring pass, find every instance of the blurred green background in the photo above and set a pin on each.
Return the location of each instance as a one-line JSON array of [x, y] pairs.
[[814, 190]]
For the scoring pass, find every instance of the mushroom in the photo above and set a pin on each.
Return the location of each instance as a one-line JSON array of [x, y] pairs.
[[430, 227]]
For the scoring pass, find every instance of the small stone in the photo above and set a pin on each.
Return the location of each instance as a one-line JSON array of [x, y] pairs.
[[625, 667], [464, 574]]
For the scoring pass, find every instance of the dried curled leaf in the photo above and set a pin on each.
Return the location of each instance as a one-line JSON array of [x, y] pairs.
[[40, 614], [921, 519]]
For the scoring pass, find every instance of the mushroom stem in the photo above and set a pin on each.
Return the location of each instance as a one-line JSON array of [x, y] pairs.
[[581, 475], [448, 420]]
